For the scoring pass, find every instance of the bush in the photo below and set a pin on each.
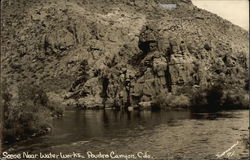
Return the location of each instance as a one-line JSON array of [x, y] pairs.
[[219, 96], [26, 112], [214, 95], [236, 99], [169, 101], [180, 101]]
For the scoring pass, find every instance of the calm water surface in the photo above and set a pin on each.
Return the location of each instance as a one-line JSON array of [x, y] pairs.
[[164, 135]]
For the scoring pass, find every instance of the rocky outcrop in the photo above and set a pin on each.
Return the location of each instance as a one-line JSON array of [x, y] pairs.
[[124, 53]]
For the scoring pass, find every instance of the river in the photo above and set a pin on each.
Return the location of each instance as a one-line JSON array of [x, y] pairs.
[[154, 135]]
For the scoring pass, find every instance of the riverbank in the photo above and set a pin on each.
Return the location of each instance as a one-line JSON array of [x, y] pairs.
[[27, 112], [215, 98]]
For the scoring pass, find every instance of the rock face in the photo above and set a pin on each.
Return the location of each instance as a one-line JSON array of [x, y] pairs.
[[109, 53]]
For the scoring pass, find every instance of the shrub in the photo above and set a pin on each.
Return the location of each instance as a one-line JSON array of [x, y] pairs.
[[220, 96], [180, 101], [214, 95], [236, 99], [169, 101], [26, 112]]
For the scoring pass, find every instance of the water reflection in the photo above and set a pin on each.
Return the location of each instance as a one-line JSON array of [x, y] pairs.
[[213, 115]]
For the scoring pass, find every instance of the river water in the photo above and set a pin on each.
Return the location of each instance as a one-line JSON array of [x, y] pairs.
[[154, 135]]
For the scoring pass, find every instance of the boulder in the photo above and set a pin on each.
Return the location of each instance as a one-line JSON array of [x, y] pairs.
[[146, 105]]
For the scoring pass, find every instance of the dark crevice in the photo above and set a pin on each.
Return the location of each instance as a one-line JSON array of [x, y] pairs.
[[145, 49], [168, 79], [104, 94]]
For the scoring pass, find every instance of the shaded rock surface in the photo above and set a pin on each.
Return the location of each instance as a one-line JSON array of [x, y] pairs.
[[110, 53]]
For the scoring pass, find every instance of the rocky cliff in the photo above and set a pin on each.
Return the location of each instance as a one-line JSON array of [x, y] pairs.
[[110, 53]]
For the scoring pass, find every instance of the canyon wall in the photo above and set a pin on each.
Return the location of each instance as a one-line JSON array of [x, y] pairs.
[[126, 53]]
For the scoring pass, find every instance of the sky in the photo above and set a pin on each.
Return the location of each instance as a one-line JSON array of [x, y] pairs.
[[236, 11]]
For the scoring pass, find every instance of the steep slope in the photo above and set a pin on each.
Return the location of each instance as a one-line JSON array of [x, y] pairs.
[[109, 53]]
